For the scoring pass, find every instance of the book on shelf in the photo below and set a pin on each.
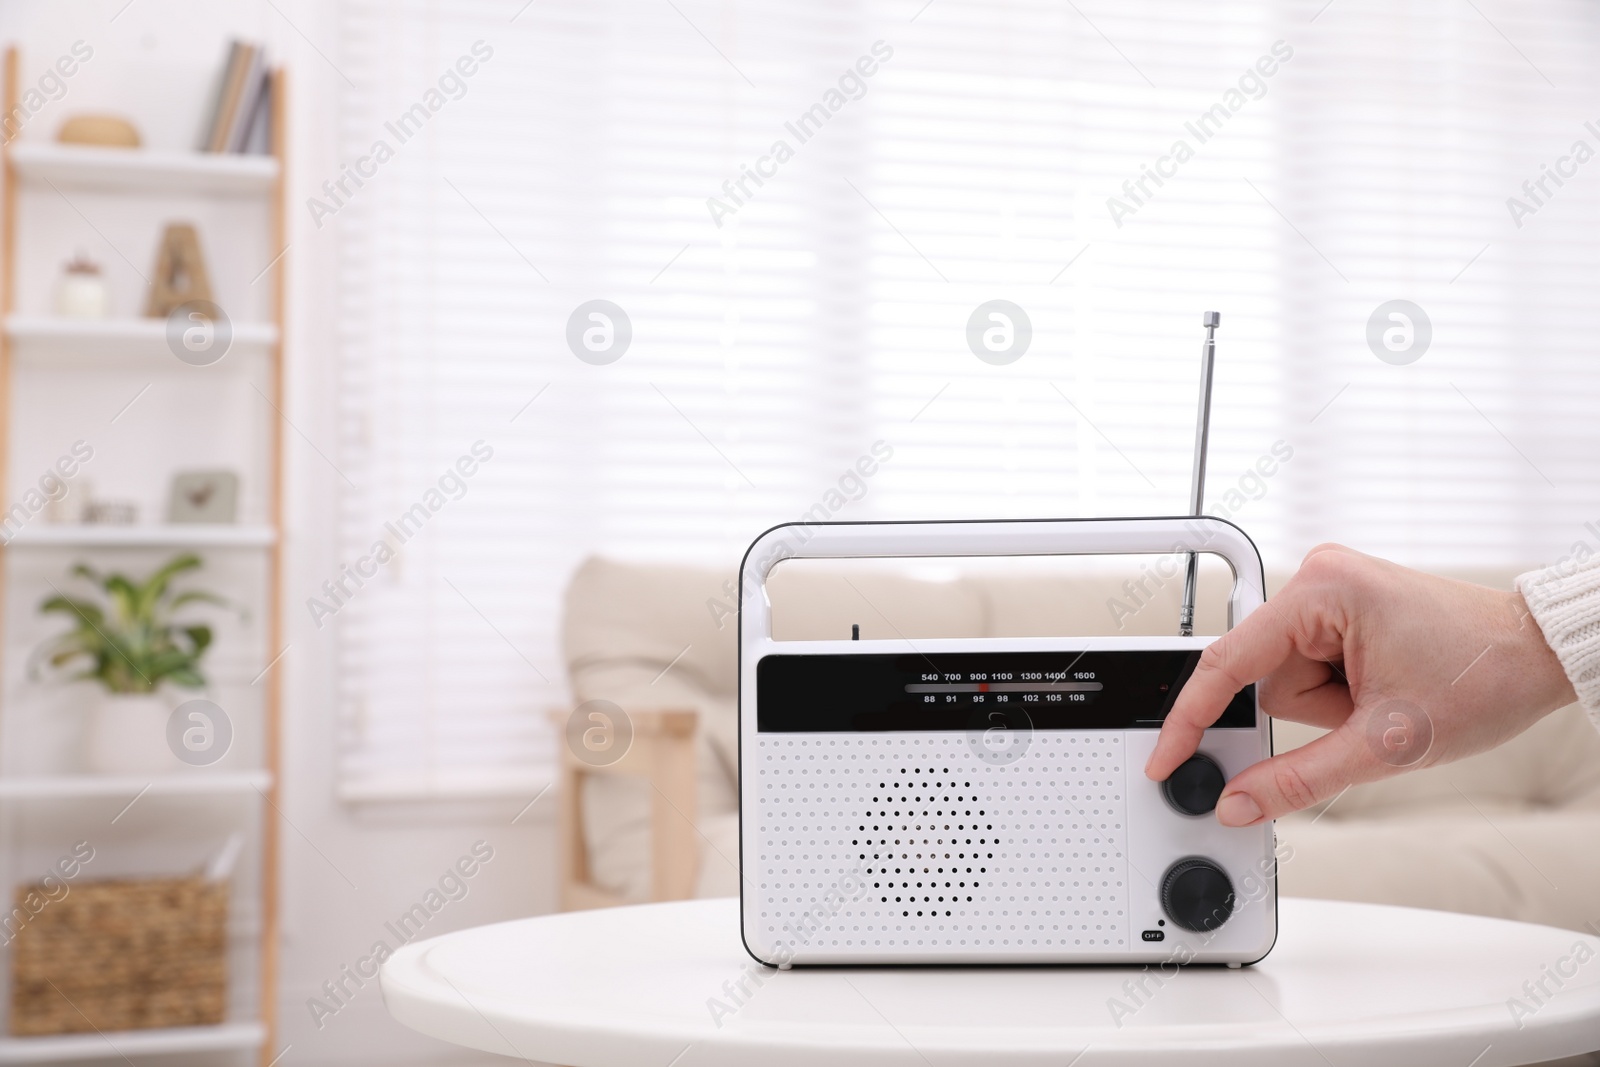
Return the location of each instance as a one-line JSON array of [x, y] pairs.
[[241, 105], [256, 137]]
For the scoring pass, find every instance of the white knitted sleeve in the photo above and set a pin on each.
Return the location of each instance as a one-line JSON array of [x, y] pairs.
[[1565, 602]]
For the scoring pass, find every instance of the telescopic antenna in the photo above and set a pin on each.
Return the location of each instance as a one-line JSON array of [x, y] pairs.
[[1197, 483]]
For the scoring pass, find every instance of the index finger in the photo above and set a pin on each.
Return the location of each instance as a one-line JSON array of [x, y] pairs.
[[1248, 652]]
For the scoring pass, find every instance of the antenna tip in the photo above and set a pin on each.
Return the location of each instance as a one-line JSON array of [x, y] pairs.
[[1212, 318]]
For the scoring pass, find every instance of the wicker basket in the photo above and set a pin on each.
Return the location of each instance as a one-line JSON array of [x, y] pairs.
[[120, 955]]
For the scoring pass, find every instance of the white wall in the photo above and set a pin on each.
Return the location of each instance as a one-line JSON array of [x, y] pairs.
[[345, 871]]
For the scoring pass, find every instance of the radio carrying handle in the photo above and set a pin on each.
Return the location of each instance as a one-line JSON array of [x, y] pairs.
[[1001, 537]]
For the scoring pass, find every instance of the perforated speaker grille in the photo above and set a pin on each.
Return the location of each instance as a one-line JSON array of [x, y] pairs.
[[927, 843]]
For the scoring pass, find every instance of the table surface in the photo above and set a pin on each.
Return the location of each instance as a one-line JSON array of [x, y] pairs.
[[658, 985]]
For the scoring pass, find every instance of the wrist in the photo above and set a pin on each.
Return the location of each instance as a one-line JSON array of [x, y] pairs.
[[1565, 601], [1539, 669]]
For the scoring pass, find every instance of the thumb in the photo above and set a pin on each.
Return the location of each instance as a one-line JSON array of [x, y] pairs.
[[1298, 779]]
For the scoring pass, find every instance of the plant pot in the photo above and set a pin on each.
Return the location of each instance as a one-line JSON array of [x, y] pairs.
[[127, 734]]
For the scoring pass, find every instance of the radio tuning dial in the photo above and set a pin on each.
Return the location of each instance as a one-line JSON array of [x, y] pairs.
[[1194, 787], [1197, 895]]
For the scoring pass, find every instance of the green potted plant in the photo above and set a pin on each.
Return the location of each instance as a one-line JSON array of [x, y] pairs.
[[128, 642]]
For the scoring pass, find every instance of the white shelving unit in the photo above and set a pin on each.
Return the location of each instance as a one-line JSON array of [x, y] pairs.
[[72, 786], [117, 169], [142, 189], [198, 535], [44, 341], [68, 1048]]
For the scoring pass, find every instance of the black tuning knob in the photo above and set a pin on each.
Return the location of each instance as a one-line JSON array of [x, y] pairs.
[[1195, 786], [1197, 895]]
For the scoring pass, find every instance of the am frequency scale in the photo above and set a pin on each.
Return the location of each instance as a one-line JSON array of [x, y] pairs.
[[984, 800]]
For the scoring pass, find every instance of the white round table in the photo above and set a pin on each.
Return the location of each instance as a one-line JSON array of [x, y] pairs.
[[1347, 984]]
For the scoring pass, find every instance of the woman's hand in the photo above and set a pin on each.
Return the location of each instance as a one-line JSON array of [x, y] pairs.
[[1406, 669]]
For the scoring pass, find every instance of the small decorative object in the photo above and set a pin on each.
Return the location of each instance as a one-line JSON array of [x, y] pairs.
[[69, 506], [119, 955], [132, 647], [110, 512], [106, 131], [204, 496], [180, 271], [60, 509], [82, 292]]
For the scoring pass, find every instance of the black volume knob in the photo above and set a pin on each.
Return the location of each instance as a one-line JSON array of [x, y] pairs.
[[1195, 786], [1197, 895]]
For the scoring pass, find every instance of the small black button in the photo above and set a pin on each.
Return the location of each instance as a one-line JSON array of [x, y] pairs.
[[1154, 935], [1194, 787]]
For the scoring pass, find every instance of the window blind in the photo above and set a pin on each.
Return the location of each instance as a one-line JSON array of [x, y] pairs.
[[805, 213]]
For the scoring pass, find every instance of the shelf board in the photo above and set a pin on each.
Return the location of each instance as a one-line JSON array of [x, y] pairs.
[[171, 535], [46, 340], [62, 1048], [72, 786], [142, 169]]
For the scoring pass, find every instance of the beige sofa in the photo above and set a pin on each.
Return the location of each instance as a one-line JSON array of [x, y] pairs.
[[1510, 833]]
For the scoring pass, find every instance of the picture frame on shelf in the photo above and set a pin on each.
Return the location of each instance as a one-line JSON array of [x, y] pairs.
[[204, 497]]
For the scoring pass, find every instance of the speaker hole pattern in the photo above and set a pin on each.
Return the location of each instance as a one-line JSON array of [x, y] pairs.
[[913, 844]]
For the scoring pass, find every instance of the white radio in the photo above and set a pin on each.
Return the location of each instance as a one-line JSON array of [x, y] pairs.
[[984, 800]]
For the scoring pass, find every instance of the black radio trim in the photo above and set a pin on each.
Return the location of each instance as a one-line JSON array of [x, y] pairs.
[[851, 692]]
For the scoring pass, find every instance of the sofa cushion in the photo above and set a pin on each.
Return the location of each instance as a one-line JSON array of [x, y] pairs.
[[1505, 833], [1093, 596], [1534, 866], [652, 613], [1554, 764], [816, 600]]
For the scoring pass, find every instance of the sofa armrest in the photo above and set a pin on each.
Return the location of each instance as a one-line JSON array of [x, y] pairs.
[[661, 753]]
